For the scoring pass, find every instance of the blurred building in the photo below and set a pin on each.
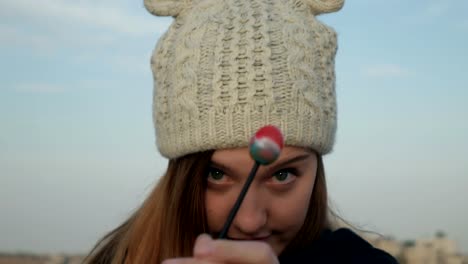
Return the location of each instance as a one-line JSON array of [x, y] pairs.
[[36, 259], [437, 250]]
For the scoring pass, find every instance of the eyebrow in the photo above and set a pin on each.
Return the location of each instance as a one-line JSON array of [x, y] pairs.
[[292, 160], [219, 166], [276, 165]]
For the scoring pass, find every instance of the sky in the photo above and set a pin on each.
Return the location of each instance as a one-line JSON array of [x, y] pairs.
[[77, 145]]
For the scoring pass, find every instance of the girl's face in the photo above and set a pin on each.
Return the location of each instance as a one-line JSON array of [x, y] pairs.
[[275, 206]]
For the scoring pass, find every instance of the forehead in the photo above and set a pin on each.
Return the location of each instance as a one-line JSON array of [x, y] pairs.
[[242, 155]]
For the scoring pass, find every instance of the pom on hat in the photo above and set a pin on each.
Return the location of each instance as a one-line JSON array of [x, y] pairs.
[[166, 7]]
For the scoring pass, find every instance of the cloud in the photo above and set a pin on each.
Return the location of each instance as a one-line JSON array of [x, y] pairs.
[[436, 9], [125, 62], [442, 8], [15, 37], [384, 70], [46, 43], [56, 27], [105, 15], [39, 88], [135, 64], [71, 85], [464, 25], [436, 12]]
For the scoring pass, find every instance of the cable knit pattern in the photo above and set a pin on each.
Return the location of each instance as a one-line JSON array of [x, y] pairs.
[[228, 67]]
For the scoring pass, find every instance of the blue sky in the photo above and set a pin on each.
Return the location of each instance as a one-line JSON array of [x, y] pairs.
[[77, 150]]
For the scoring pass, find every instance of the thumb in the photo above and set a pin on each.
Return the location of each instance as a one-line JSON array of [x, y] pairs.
[[226, 251], [203, 246]]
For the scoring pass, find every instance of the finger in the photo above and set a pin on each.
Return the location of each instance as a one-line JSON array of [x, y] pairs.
[[226, 251], [187, 261]]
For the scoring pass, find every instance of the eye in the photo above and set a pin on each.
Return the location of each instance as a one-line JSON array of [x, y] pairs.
[[284, 176], [215, 174]]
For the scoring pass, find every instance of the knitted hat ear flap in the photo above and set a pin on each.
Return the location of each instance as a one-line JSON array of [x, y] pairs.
[[166, 7], [324, 6]]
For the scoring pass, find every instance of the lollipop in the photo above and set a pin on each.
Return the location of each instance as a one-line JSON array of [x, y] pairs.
[[264, 147]]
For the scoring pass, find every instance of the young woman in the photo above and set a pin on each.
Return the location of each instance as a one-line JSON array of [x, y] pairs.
[[224, 69]]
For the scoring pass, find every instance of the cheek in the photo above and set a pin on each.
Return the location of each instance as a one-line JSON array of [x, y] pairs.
[[291, 210], [216, 210]]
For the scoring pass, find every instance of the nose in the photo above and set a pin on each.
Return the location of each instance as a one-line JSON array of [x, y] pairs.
[[252, 216]]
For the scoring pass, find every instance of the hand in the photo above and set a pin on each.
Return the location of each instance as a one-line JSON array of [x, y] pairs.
[[210, 251]]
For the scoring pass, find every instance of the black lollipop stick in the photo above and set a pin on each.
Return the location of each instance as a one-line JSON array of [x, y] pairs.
[[265, 147], [239, 200]]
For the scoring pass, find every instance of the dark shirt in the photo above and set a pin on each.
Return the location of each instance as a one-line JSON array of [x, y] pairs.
[[340, 246]]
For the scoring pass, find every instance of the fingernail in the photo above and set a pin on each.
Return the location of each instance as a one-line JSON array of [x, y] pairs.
[[203, 245]]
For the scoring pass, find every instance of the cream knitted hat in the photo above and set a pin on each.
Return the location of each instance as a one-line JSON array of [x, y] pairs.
[[225, 68]]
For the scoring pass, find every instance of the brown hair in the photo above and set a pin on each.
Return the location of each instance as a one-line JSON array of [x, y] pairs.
[[173, 215]]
